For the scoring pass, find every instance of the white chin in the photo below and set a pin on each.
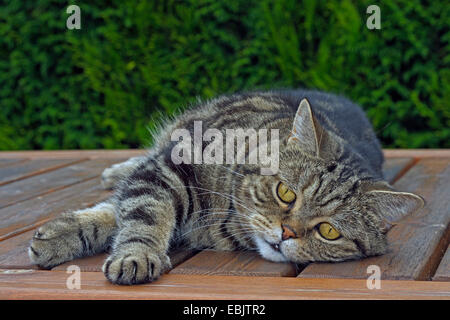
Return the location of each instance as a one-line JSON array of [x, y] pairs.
[[267, 252]]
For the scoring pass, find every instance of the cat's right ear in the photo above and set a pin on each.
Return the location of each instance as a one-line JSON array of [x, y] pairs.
[[393, 205], [307, 132]]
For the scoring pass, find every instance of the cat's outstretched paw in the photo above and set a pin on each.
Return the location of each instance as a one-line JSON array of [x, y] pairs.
[[109, 177], [113, 174], [54, 243], [136, 267]]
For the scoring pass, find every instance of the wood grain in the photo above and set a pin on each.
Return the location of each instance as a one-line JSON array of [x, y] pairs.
[[242, 263], [12, 161], [14, 252], [394, 168], [417, 241], [25, 169], [443, 271], [30, 213], [31, 284], [417, 153], [95, 263], [51, 181]]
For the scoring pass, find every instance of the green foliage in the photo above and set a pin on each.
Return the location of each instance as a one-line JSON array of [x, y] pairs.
[[103, 86]]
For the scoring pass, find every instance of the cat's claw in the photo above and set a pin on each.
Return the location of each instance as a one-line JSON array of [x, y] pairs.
[[135, 268]]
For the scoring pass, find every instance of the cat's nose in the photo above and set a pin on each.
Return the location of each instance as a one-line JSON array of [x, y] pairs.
[[288, 232]]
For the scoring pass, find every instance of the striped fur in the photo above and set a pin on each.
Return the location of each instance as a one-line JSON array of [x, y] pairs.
[[158, 205]]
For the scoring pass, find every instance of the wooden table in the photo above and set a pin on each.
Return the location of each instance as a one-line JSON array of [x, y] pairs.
[[36, 186]]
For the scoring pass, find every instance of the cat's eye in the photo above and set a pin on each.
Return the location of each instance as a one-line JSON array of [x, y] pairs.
[[329, 232], [285, 194]]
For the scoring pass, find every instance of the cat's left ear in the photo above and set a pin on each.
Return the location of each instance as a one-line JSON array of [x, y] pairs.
[[394, 205], [308, 133]]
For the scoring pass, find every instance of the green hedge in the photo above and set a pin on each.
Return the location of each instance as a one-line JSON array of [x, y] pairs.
[[106, 85]]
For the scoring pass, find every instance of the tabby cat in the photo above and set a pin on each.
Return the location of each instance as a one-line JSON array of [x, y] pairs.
[[327, 202]]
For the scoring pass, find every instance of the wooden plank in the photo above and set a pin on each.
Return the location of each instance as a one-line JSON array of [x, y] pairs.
[[14, 255], [30, 168], [51, 181], [19, 221], [31, 284], [242, 263], [64, 154], [394, 168], [443, 271], [95, 263], [417, 153], [14, 252], [12, 161], [417, 241], [33, 212]]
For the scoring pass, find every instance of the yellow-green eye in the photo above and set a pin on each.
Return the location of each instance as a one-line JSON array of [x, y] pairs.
[[327, 231], [285, 194]]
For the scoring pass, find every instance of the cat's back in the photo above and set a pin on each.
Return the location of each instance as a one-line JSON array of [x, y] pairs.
[[276, 109]]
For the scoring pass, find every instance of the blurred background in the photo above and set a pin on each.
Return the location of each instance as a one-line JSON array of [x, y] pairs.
[[133, 62]]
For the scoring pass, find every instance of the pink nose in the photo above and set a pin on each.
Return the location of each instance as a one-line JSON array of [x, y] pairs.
[[288, 233]]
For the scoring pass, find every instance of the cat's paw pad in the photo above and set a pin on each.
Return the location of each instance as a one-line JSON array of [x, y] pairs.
[[135, 268], [51, 243]]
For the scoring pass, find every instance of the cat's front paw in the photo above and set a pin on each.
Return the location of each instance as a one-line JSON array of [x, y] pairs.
[[134, 268], [109, 177], [54, 243]]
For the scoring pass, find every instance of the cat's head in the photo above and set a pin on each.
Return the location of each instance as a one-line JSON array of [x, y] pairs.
[[317, 208]]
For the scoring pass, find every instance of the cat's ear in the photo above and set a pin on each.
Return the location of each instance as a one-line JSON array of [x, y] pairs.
[[307, 132], [393, 205]]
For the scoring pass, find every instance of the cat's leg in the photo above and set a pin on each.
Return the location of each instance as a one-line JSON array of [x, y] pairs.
[[72, 235], [148, 205], [116, 172]]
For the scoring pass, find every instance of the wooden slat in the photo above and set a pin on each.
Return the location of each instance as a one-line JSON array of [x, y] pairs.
[[12, 161], [64, 154], [417, 241], [30, 284], [14, 255], [86, 264], [32, 212], [14, 252], [30, 168], [51, 181], [95, 263], [443, 271], [242, 263], [18, 229], [417, 153], [394, 168]]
